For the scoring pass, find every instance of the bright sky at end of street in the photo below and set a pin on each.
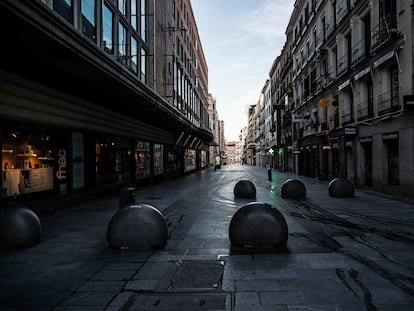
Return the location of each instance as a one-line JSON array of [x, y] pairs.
[[240, 40]]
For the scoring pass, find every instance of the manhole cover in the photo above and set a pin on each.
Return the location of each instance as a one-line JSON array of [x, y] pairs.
[[181, 302], [198, 274]]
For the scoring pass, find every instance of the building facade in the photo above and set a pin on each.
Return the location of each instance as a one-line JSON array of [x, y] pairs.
[[353, 69], [96, 95], [215, 125], [234, 151], [342, 92]]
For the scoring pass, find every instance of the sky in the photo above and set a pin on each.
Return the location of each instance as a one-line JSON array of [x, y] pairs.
[[240, 39]]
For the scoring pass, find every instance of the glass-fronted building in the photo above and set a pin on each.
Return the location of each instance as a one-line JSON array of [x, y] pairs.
[[81, 107]]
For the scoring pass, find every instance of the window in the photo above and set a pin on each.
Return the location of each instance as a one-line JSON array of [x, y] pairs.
[[134, 56], [88, 19], [142, 159], [143, 66], [367, 35], [122, 40], [122, 6], [158, 159], [134, 14], [107, 29], [64, 8], [112, 160], [189, 160], [143, 20], [394, 88]]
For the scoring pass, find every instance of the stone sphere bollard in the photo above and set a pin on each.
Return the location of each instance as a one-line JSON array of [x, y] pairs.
[[245, 189], [341, 188], [258, 225], [138, 227], [293, 189], [19, 227]]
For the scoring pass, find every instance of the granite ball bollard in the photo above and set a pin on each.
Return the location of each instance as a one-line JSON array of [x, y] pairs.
[[341, 188], [258, 226], [293, 189], [19, 227], [245, 189], [137, 227]]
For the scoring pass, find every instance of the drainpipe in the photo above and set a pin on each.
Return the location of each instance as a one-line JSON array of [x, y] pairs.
[[412, 46], [154, 59]]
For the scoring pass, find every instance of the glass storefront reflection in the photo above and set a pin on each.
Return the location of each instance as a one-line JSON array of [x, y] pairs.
[[142, 159], [112, 160]]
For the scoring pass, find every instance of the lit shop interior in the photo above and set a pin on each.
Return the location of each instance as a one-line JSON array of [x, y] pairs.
[[29, 160]]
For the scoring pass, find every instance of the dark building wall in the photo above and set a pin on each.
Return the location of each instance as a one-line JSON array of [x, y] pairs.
[[79, 109]]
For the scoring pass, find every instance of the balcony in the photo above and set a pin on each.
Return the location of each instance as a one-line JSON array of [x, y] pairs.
[[385, 32]]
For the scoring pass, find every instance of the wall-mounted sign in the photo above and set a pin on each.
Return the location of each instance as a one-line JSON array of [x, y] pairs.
[[409, 102], [350, 131], [297, 119], [61, 171]]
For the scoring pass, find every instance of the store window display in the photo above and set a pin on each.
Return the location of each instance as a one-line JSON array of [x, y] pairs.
[[158, 159], [30, 157], [142, 159], [190, 160]]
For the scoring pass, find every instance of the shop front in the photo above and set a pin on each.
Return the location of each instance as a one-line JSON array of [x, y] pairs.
[[35, 160], [40, 161]]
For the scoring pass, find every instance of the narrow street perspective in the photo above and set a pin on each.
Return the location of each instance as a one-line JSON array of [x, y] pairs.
[[352, 253], [184, 155]]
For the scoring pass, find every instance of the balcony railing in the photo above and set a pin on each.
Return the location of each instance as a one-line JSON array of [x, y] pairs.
[[385, 31], [387, 103], [362, 110], [347, 116]]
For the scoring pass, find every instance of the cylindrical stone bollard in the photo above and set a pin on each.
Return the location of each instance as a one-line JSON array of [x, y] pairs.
[[126, 196], [19, 227], [258, 226], [293, 189], [341, 188], [245, 189], [139, 227]]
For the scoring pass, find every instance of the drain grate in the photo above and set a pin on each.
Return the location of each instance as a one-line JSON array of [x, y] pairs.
[[198, 275], [179, 302]]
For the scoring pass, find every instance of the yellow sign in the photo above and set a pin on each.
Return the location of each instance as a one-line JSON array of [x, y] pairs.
[[324, 102]]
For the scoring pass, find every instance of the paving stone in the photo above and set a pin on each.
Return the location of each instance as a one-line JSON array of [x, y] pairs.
[[111, 275], [101, 286], [155, 270], [142, 285], [247, 298], [256, 285], [126, 266], [281, 298], [89, 299]]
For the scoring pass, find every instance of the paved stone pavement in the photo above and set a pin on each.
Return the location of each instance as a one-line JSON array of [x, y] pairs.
[[342, 253]]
